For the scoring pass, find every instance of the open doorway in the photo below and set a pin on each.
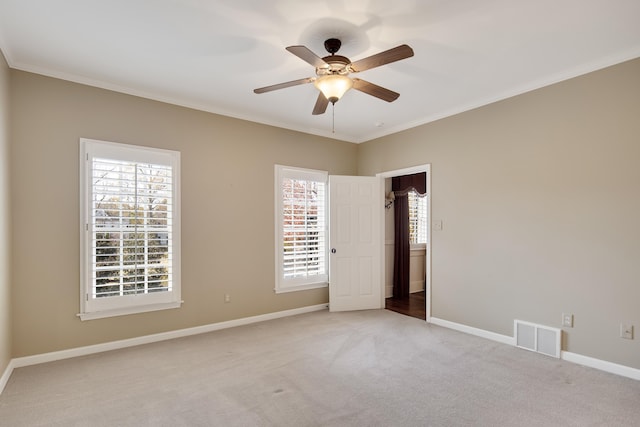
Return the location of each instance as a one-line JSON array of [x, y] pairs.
[[407, 256]]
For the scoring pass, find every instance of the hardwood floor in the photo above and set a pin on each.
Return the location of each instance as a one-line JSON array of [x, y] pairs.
[[413, 305]]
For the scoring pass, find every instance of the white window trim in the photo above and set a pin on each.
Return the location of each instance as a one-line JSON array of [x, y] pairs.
[[283, 285], [133, 303]]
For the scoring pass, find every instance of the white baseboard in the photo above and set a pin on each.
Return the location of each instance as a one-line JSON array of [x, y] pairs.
[[504, 339], [388, 291], [416, 286], [603, 365], [20, 362], [4, 379]]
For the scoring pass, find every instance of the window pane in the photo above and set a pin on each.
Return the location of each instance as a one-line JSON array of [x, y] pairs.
[[303, 228], [417, 218]]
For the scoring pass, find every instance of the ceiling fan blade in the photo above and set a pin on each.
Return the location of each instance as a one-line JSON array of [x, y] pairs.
[[382, 58], [283, 85], [305, 54], [375, 90], [321, 105]]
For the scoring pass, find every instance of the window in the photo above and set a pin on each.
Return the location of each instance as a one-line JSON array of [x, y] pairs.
[[130, 229], [301, 231], [417, 218]]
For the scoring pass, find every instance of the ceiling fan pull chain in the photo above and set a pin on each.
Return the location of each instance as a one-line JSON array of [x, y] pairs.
[[333, 118]]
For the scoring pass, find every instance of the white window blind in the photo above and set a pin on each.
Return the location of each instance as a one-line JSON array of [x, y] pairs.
[[417, 218], [132, 221], [302, 237], [131, 236]]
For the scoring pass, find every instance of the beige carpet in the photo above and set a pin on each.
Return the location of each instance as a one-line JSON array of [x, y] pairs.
[[370, 368]]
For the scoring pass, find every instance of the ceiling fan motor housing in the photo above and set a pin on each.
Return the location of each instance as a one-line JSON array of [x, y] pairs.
[[336, 64]]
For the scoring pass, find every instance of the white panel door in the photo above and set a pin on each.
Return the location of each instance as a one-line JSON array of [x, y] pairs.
[[354, 263]]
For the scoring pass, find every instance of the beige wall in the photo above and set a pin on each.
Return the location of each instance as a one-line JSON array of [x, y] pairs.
[[417, 259], [227, 209], [538, 196], [540, 199], [5, 304]]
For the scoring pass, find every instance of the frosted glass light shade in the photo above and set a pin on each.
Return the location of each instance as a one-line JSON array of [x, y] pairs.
[[333, 86]]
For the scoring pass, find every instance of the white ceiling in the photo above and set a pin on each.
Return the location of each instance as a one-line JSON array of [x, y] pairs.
[[211, 54]]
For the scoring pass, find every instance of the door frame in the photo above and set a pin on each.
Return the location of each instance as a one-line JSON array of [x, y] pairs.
[[427, 262]]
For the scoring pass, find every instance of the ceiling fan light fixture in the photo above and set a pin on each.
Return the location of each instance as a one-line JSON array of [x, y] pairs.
[[333, 86]]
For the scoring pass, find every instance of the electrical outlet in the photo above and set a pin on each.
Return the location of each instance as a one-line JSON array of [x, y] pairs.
[[626, 331], [567, 320], [227, 298]]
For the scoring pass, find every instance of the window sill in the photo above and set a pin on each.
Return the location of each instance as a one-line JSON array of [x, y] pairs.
[[128, 310], [301, 287]]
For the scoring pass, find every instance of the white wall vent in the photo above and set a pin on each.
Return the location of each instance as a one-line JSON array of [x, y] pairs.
[[538, 338]]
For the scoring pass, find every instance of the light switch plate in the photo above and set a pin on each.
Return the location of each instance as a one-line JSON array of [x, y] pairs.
[[626, 331], [437, 224]]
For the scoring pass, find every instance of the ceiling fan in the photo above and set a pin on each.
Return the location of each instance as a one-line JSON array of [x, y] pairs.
[[332, 73]]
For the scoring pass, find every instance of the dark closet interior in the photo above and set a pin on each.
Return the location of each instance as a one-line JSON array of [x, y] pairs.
[[405, 300]]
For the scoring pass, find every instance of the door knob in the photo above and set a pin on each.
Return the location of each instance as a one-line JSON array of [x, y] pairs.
[[333, 250]]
